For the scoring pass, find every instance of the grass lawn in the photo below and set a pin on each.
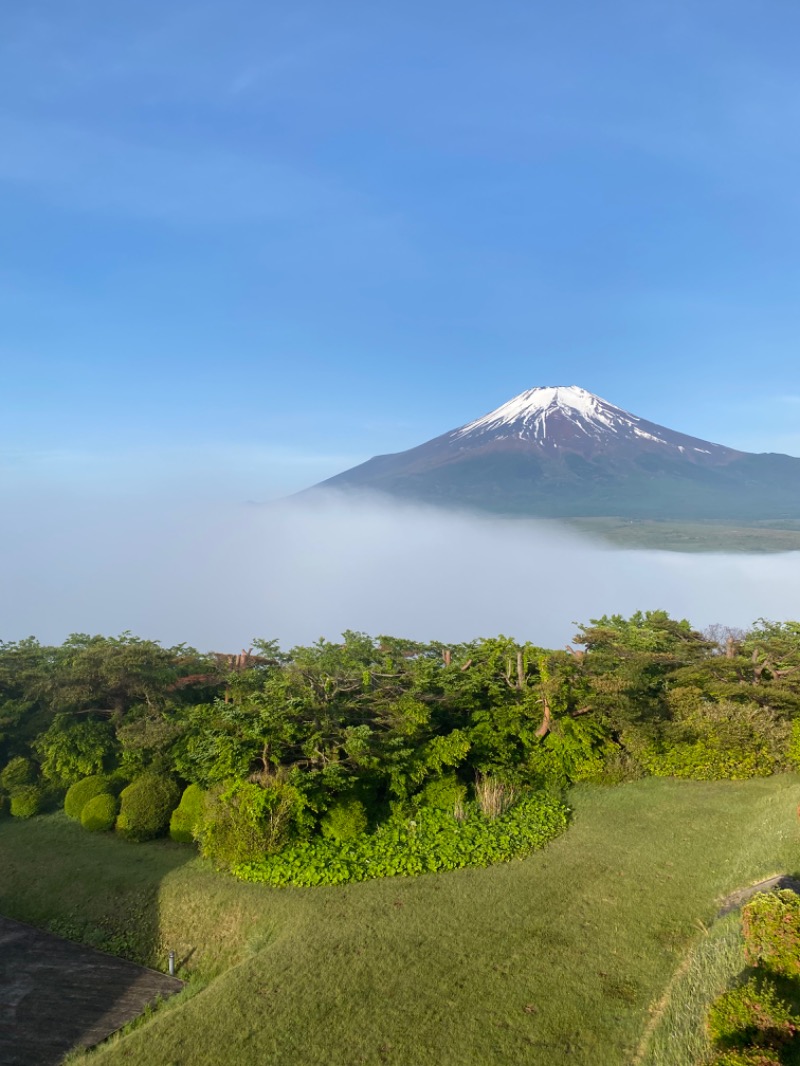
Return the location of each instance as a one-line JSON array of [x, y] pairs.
[[559, 958]]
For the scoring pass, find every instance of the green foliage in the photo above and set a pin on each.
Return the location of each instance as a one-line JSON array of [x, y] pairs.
[[771, 927], [345, 821], [445, 793], [17, 774], [793, 749], [717, 739], [243, 821], [283, 742], [187, 815], [146, 805], [706, 761], [433, 840], [79, 794], [753, 1056], [573, 750], [71, 750], [100, 813], [751, 1014], [26, 801]]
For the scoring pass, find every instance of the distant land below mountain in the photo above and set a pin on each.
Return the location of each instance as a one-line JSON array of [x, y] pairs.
[[563, 453]]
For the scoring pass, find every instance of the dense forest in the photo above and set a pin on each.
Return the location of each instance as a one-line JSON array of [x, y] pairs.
[[380, 755]]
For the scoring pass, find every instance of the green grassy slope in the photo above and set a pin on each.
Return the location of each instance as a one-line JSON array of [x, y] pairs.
[[554, 959]]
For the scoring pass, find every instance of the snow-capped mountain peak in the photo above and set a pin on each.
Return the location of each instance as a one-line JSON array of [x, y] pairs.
[[560, 451], [527, 416]]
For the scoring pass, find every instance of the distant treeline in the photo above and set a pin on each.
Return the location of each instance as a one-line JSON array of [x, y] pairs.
[[325, 746]]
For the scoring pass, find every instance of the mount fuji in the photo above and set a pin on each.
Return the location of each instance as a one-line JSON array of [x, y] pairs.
[[561, 452]]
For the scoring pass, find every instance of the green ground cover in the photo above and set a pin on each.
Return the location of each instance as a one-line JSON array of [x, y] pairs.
[[559, 958]]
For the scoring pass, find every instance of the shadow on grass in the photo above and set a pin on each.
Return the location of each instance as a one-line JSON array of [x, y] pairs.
[[73, 973]]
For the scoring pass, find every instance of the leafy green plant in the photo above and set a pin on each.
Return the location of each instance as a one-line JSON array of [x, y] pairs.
[[79, 794], [751, 1014], [100, 813], [771, 927], [187, 815], [445, 793], [433, 840], [146, 805], [26, 801], [244, 821], [71, 750], [345, 821]]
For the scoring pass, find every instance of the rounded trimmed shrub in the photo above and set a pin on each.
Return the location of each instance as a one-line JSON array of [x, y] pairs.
[[345, 821], [18, 773], [146, 805], [100, 813], [26, 802], [79, 794], [187, 815]]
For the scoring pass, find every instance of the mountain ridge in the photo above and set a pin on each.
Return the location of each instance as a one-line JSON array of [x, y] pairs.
[[561, 451]]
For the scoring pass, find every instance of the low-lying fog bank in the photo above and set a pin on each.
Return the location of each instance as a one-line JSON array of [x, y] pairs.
[[216, 577]]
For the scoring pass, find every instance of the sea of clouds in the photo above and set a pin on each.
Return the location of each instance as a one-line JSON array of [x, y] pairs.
[[217, 575]]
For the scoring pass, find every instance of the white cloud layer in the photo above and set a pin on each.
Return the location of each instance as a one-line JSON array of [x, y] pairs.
[[298, 570]]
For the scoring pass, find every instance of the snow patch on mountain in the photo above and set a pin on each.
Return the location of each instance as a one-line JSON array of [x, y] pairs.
[[526, 416]]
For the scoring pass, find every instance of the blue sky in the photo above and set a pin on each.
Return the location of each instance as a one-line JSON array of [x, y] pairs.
[[244, 245]]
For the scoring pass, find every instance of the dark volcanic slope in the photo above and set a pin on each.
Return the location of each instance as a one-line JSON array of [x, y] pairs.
[[562, 452]]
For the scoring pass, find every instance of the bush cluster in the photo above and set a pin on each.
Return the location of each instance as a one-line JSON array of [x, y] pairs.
[[703, 761], [752, 1014], [754, 1056], [433, 840], [79, 794], [244, 821], [345, 821], [750, 1024], [771, 927]]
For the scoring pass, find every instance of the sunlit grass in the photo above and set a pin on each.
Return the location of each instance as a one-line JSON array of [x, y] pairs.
[[560, 958]]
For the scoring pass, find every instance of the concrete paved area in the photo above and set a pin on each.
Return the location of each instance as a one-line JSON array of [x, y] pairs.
[[56, 995]]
